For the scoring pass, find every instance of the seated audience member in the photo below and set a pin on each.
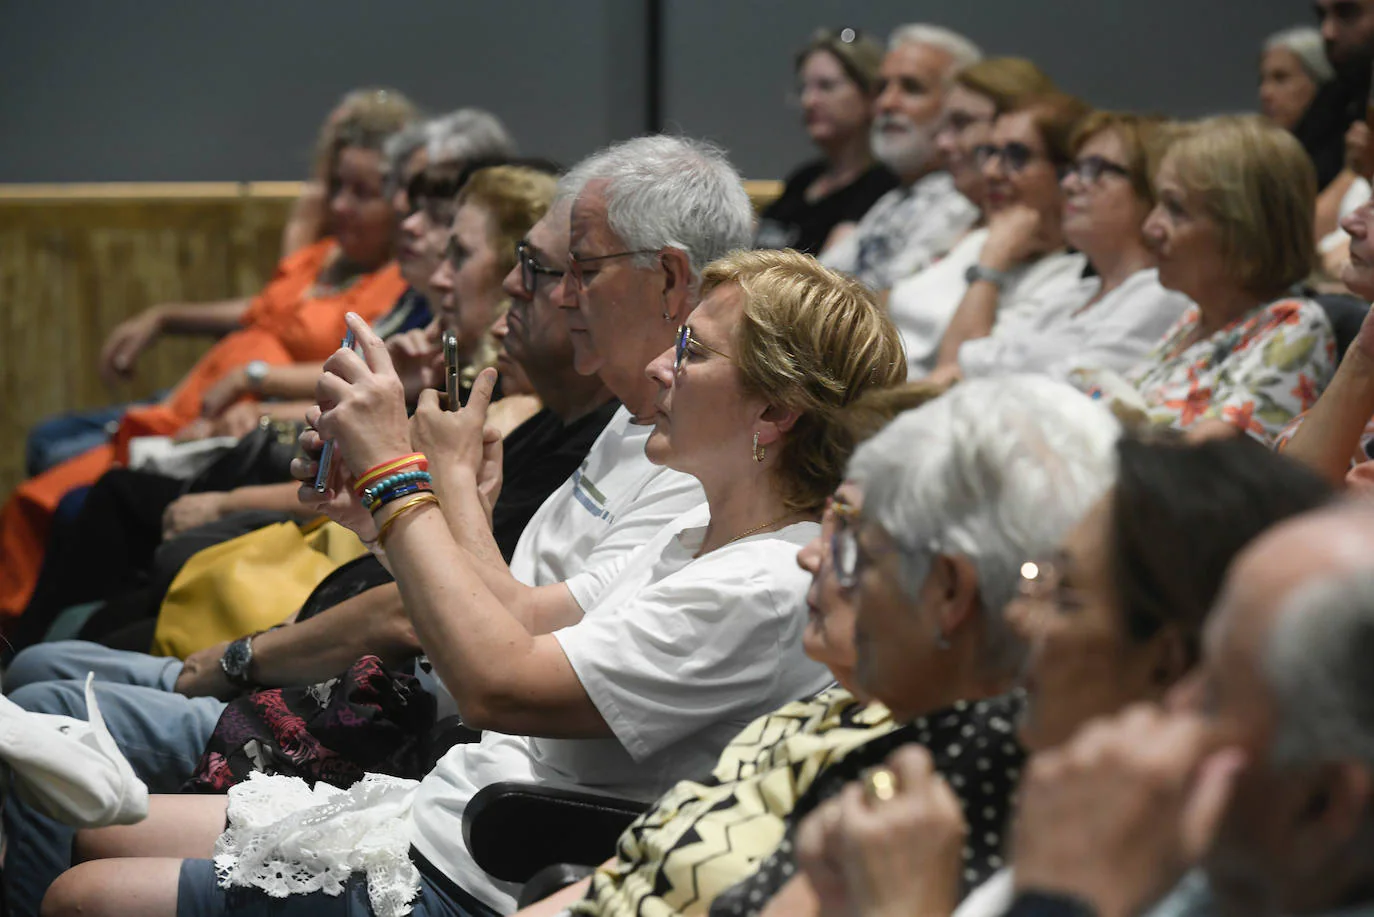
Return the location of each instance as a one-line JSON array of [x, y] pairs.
[[929, 635], [679, 200], [1018, 266], [1115, 316], [1259, 773], [309, 219], [648, 662], [1293, 68], [1113, 618], [297, 317], [823, 200], [1232, 233], [915, 223], [979, 93]]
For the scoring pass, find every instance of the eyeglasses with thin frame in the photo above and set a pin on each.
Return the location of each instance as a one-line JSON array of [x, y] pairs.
[[1090, 169], [576, 263], [843, 551], [1014, 156], [685, 341], [1043, 581], [530, 268]]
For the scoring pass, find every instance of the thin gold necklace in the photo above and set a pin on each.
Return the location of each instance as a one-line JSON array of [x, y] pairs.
[[759, 528]]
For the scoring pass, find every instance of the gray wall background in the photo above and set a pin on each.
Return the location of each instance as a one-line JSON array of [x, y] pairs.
[[168, 90]]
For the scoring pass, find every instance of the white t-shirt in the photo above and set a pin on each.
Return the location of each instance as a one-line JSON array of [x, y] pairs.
[[596, 519], [1116, 333], [923, 305], [677, 653], [1358, 192]]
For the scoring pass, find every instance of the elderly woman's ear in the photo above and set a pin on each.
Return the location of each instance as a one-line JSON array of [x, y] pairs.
[[957, 602]]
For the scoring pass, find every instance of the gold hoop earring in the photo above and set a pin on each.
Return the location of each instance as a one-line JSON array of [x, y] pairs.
[[759, 451]]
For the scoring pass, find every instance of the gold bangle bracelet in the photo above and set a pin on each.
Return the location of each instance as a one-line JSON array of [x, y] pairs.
[[412, 504]]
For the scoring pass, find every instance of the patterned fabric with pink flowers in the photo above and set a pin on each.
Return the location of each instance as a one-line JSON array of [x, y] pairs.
[[1257, 373]]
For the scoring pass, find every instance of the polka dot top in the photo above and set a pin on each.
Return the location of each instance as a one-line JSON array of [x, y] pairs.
[[974, 748]]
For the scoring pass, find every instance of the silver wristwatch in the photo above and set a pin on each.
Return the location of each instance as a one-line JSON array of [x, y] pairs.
[[238, 656], [256, 374], [977, 272]]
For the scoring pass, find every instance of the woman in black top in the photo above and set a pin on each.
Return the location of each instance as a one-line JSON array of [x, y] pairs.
[[836, 75]]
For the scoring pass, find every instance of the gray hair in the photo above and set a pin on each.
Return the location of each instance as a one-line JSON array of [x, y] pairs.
[[669, 192], [1305, 43], [400, 146], [1317, 664], [963, 52], [996, 470], [467, 135]]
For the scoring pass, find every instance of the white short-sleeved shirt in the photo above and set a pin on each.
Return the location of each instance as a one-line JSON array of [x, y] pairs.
[[923, 305], [615, 502], [677, 653], [1115, 333]]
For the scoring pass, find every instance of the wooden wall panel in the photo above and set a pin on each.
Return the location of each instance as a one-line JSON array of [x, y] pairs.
[[76, 260]]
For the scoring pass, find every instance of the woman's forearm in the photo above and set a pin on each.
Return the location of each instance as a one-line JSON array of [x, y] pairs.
[[291, 382], [1329, 435], [215, 318], [974, 318], [279, 498]]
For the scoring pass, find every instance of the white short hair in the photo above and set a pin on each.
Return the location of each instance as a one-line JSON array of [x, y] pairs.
[[1317, 665], [466, 136], [996, 470], [400, 146], [963, 52], [1306, 44], [669, 192]]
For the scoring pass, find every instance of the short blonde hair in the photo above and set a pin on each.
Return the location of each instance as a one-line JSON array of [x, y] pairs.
[[1256, 183], [515, 198], [1008, 81], [810, 340]]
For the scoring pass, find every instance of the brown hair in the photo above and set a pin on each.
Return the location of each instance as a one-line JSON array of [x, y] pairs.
[[363, 118], [1008, 81], [514, 197], [1145, 138], [861, 57], [1256, 183], [1056, 116], [810, 340]]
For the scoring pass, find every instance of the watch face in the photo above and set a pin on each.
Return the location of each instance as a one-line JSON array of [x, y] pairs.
[[237, 655]]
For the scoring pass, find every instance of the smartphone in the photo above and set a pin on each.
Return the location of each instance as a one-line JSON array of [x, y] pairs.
[[451, 369], [327, 455]]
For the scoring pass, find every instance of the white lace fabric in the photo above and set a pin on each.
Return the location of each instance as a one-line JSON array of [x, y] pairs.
[[287, 839]]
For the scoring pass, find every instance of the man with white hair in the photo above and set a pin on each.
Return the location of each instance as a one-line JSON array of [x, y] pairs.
[[1262, 775], [913, 224]]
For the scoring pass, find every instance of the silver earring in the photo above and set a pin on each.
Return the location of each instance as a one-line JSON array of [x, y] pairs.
[[759, 451], [941, 641], [666, 316]]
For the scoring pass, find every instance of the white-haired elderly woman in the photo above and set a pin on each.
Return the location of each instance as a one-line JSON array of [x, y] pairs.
[[1293, 67], [630, 676]]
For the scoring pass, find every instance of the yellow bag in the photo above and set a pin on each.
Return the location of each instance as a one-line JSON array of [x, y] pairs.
[[248, 584]]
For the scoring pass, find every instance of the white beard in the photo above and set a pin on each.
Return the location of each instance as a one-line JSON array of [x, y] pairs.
[[906, 152]]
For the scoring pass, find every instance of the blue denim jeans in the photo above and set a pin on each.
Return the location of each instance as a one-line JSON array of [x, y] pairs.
[[161, 732], [53, 441]]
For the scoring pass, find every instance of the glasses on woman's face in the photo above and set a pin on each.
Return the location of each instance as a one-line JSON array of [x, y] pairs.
[[530, 268], [843, 551], [685, 342], [1090, 169], [1014, 156]]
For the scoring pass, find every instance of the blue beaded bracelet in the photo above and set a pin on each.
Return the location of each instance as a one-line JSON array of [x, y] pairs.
[[373, 491], [396, 493]]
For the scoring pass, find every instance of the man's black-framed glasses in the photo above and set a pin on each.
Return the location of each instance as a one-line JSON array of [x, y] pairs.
[[530, 268]]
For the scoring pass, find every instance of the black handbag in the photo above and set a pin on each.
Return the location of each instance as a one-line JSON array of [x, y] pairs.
[[262, 457]]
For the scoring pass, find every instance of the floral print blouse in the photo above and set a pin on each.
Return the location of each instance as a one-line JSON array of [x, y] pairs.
[[1257, 373]]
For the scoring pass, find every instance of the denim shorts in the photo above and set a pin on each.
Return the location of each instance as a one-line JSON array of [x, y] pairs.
[[199, 895]]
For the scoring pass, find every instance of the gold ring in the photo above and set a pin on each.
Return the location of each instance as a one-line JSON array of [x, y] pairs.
[[880, 784]]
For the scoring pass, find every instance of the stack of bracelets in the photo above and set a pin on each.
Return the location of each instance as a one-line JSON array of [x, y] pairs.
[[405, 479]]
